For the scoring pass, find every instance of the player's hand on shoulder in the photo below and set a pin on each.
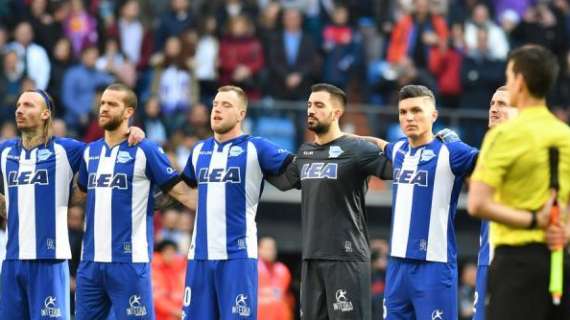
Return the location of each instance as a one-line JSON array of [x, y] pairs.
[[135, 135], [447, 136]]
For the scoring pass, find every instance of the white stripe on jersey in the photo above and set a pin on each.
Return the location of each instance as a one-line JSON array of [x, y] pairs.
[[439, 216], [86, 160], [27, 208], [403, 205], [252, 190], [195, 155], [63, 177], [4, 160], [140, 190], [216, 204], [103, 222]]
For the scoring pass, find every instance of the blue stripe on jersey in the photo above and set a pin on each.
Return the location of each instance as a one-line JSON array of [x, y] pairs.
[[45, 236], [201, 229], [12, 245], [484, 258], [122, 202], [236, 226]]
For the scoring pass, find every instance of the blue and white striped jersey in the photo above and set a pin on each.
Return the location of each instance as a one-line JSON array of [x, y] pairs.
[[229, 177], [485, 250], [119, 182], [426, 186], [37, 184]]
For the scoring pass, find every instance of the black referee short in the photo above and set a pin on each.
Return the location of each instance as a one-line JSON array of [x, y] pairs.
[[518, 281], [333, 289]]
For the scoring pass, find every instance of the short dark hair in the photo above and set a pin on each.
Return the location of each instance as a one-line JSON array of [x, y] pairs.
[[162, 245], [334, 91], [415, 91], [130, 99], [502, 88], [538, 66]]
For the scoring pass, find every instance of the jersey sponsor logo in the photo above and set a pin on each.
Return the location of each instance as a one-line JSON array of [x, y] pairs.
[[107, 180], [427, 155], [437, 314], [240, 306], [136, 308], [124, 157], [235, 151], [419, 177], [16, 178], [319, 170], [342, 303], [308, 153], [231, 175], [335, 151], [13, 157], [50, 309], [44, 154]]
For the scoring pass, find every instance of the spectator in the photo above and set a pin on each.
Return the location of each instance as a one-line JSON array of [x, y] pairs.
[[173, 82], [292, 59], [268, 24], [199, 122], [62, 60], [467, 291], [498, 44], [135, 42], [59, 128], [274, 299], [230, 9], [241, 57], [186, 227], [153, 122], [174, 22], [379, 261], [169, 221], [480, 74], [32, 58], [8, 131], [10, 85], [206, 60], [46, 28], [113, 61], [417, 35], [80, 83], [80, 27], [168, 270], [342, 47], [445, 65]]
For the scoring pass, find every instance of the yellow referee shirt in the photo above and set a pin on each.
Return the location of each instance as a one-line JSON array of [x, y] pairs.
[[514, 161]]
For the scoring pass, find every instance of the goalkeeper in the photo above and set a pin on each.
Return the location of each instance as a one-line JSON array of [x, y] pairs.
[[510, 187]]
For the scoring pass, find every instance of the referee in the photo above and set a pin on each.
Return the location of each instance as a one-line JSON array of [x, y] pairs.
[[510, 187]]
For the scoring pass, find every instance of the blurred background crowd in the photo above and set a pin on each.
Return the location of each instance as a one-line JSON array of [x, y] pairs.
[[176, 53]]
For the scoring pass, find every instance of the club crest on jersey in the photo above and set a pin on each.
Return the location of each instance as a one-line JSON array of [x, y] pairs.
[[107, 180], [419, 177], [335, 151], [235, 151], [319, 170], [16, 178], [231, 175], [427, 155], [124, 157], [44, 154]]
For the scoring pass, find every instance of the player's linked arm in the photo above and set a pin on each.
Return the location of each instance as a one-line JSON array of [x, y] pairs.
[[480, 204], [377, 141], [2, 206], [184, 194], [288, 179]]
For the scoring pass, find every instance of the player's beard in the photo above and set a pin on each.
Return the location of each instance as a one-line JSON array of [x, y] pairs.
[[112, 123], [319, 127]]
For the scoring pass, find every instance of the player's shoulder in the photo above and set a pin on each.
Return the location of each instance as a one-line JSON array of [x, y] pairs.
[[261, 144], [457, 147], [69, 143], [9, 143]]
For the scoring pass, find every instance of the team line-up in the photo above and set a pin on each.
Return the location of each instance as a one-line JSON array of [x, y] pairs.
[[513, 184]]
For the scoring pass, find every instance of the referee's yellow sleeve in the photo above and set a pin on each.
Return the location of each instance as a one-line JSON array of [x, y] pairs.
[[500, 149]]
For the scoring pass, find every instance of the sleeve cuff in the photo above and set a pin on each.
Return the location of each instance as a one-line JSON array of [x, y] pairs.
[[81, 187], [190, 182], [165, 187]]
